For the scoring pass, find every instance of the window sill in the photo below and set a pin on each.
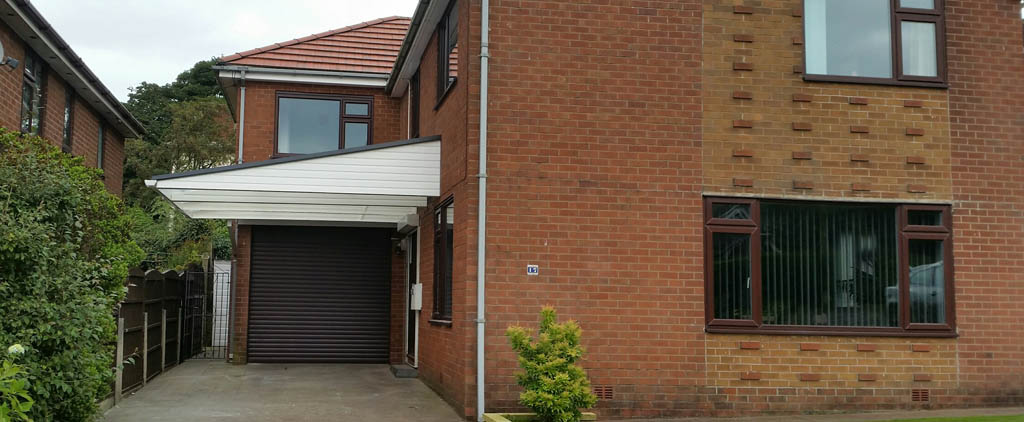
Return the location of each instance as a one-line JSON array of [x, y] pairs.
[[873, 81], [831, 332], [440, 322], [440, 100]]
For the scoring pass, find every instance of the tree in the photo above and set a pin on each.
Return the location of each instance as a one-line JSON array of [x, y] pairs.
[[64, 256], [188, 127], [157, 107]]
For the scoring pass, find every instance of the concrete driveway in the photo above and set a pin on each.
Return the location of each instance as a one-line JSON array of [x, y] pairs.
[[216, 391]]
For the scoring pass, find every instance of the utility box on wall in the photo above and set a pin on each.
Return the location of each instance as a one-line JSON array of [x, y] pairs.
[[416, 297]]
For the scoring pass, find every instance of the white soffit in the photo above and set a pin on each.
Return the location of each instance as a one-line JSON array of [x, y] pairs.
[[375, 184]]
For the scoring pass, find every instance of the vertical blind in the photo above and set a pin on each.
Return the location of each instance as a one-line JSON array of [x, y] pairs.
[[826, 264]]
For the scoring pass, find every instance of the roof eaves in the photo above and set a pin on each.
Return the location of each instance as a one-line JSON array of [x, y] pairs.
[[410, 36], [74, 61]]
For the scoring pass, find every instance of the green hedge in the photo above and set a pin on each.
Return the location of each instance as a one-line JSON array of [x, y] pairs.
[[65, 252]]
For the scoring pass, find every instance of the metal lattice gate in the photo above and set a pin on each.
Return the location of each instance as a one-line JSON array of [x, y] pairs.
[[206, 314]]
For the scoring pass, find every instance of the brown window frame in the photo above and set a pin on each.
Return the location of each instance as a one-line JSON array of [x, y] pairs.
[[36, 82], [905, 232], [447, 42], [897, 15], [343, 118], [69, 118], [443, 303]]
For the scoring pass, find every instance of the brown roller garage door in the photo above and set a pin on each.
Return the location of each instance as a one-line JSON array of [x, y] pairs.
[[319, 294]]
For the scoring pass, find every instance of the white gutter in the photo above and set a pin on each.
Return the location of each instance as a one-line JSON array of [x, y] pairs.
[[241, 117], [481, 241], [317, 77]]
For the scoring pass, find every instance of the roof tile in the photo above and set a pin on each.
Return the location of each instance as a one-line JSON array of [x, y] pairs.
[[368, 47]]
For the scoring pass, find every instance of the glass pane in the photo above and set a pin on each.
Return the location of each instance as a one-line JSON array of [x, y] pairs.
[[848, 38], [444, 237], [918, 4], [356, 134], [31, 65], [924, 218], [927, 282], [306, 126], [68, 103], [449, 242], [357, 109], [829, 265], [26, 107], [731, 257], [730, 211], [919, 49]]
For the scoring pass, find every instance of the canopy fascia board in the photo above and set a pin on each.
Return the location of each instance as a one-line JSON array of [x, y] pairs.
[[378, 184]]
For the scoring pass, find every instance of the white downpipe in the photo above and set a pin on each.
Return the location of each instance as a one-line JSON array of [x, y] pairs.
[[241, 118], [481, 241]]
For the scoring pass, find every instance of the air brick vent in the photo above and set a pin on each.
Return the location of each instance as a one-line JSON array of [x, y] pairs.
[[920, 394], [604, 392]]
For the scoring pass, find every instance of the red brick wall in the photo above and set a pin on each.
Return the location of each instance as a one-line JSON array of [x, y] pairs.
[[398, 309], [10, 79], [261, 114], [85, 124], [445, 352], [240, 320], [986, 75], [594, 175]]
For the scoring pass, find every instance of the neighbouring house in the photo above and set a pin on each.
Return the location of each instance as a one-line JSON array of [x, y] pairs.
[[47, 90], [749, 207]]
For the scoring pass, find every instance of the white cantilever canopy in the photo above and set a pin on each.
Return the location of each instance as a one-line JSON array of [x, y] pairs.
[[375, 184]]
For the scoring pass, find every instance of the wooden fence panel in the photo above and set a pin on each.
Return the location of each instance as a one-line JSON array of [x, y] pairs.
[[172, 298], [154, 291], [159, 329], [131, 310]]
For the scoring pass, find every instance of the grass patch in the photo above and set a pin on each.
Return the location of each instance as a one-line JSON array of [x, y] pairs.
[[1003, 418]]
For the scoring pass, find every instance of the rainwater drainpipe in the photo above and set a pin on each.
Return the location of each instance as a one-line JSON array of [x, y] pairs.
[[234, 259], [481, 241], [241, 117]]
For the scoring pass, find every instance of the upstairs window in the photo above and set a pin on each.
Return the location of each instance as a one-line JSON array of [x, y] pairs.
[[309, 123], [808, 267], [875, 41], [447, 48], [414, 106], [99, 147], [69, 113], [32, 97]]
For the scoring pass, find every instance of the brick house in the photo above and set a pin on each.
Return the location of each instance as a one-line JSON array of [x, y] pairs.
[[46, 90], [749, 206]]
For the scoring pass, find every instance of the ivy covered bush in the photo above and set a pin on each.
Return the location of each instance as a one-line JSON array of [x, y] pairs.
[[554, 386], [64, 254]]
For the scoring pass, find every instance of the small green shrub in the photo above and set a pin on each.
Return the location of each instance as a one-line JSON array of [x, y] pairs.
[[65, 252], [554, 386], [14, 399]]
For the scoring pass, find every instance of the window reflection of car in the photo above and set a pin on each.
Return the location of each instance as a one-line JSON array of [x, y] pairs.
[[927, 287]]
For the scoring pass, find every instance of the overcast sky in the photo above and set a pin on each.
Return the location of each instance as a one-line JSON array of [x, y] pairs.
[[130, 41]]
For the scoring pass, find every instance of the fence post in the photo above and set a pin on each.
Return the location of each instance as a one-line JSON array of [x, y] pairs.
[[119, 371], [163, 339], [145, 347], [180, 312]]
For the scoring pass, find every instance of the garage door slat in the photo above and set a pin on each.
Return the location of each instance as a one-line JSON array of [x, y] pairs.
[[319, 294]]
